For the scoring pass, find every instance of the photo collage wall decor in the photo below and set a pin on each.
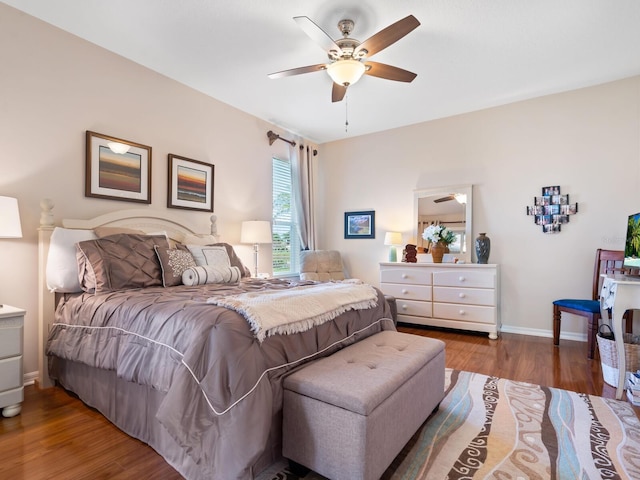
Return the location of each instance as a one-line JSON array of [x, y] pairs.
[[552, 209]]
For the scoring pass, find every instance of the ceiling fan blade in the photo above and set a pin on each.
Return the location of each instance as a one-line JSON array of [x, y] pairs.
[[388, 36], [338, 92], [389, 72], [444, 199], [317, 34], [298, 71]]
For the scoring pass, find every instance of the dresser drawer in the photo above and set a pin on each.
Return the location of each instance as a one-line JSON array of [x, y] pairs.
[[10, 342], [411, 307], [11, 397], [466, 278], [407, 291], [467, 296], [10, 373], [467, 313], [405, 275]]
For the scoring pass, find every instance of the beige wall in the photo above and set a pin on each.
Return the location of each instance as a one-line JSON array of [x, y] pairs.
[[587, 141], [54, 87]]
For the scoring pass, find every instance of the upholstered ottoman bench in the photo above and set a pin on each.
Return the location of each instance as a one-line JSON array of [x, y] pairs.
[[347, 416]]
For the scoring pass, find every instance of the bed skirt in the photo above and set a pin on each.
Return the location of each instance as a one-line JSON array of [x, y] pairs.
[[132, 408]]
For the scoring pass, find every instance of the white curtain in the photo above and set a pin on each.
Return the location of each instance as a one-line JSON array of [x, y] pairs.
[[302, 179]]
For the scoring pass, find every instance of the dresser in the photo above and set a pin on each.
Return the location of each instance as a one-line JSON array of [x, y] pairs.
[[11, 377], [461, 296]]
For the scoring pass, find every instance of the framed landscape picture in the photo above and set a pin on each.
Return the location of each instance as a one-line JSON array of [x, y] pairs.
[[117, 169], [360, 224], [190, 184]]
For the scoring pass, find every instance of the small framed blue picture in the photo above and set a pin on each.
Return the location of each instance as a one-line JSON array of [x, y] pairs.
[[360, 224]]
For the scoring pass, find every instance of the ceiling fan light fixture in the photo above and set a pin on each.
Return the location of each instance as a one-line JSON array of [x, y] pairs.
[[346, 72], [119, 148], [460, 198]]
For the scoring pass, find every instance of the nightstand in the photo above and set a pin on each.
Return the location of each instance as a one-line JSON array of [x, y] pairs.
[[11, 378]]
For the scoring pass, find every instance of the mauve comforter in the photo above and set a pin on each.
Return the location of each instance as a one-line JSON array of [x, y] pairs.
[[223, 388]]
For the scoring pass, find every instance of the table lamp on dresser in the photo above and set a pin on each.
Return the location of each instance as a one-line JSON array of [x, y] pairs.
[[393, 239]]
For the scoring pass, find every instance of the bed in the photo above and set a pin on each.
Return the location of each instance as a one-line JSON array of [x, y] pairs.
[[188, 369]]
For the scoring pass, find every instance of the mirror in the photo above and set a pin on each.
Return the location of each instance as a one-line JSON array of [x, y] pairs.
[[449, 206]]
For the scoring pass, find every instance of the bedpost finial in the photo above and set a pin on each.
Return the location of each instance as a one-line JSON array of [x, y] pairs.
[[214, 227], [46, 216]]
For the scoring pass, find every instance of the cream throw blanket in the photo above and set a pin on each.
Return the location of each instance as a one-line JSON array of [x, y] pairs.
[[298, 309]]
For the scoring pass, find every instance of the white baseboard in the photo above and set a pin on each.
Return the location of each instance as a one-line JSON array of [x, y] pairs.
[[29, 378], [536, 332]]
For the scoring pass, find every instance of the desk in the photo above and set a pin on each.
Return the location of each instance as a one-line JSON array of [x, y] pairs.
[[620, 293]]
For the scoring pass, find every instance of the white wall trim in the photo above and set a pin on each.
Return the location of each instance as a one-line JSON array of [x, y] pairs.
[[536, 332], [29, 378]]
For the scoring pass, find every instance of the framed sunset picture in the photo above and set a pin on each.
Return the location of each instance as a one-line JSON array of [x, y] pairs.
[[117, 169], [190, 184]]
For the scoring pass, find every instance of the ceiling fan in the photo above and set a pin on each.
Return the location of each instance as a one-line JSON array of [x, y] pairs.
[[348, 58], [459, 197]]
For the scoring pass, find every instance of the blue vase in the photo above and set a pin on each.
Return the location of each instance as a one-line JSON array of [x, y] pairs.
[[483, 248]]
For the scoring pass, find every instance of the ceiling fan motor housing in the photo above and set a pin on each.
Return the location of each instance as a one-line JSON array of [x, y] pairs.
[[347, 55]]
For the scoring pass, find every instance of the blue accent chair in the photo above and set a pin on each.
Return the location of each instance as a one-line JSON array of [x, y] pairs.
[[607, 262]]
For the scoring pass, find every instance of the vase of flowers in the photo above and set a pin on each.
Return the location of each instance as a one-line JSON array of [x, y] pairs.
[[439, 238]]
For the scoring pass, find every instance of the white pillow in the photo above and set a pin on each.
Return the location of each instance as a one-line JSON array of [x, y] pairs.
[[208, 255], [62, 265], [200, 239]]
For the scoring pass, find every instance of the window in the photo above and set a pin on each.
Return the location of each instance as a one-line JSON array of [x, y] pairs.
[[286, 244]]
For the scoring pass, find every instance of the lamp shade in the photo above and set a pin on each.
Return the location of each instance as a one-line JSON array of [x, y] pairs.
[[393, 238], [9, 218], [346, 72], [256, 231]]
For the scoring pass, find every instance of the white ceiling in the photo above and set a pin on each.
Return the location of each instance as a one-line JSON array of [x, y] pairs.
[[468, 54]]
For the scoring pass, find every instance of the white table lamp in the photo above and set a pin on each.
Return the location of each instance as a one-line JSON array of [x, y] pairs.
[[9, 219], [393, 239], [256, 232]]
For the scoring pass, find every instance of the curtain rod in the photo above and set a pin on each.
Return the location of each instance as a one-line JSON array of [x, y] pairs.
[[274, 136]]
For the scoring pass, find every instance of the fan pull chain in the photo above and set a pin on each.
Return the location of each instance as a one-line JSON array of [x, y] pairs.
[[346, 113]]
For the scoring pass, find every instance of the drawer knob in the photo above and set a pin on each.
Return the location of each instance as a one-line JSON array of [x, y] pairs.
[[403, 307], [461, 295], [461, 278], [404, 275], [404, 290], [462, 312]]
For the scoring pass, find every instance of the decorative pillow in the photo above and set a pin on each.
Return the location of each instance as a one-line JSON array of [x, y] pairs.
[[200, 239], [119, 262], [106, 231], [210, 274], [216, 256], [174, 261], [233, 257], [62, 267], [210, 255]]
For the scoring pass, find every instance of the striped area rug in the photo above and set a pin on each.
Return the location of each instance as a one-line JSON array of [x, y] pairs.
[[491, 428]]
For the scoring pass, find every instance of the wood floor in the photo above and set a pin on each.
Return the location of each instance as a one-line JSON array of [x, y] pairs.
[[57, 437]]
